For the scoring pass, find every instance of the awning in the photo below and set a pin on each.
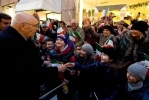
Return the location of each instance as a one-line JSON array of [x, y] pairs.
[[111, 7], [50, 5]]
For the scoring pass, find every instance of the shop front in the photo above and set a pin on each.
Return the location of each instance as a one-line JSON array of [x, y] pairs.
[[93, 9]]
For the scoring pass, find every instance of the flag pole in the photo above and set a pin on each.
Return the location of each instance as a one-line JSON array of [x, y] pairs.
[[96, 96], [45, 95], [108, 39]]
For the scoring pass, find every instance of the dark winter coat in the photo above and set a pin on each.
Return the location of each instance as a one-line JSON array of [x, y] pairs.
[[102, 79], [140, 94], [107, 82], [49, 34], [131, 49], [20, 68], [89, 38], [84, 79], [65, 56]]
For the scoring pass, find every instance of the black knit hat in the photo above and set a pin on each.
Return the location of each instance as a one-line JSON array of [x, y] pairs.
[[110, 51], [140, 26], [109, 28]]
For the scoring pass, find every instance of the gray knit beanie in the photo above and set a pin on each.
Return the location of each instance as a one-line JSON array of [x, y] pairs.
[[88, 49], [138, 70]]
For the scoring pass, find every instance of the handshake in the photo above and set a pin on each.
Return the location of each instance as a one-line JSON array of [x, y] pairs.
[[61, 67]]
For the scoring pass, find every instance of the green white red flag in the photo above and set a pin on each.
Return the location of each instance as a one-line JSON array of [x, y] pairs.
[[75, 36], [98, 49]]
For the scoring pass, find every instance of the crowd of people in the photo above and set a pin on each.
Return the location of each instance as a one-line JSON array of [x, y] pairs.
[[29, 50]]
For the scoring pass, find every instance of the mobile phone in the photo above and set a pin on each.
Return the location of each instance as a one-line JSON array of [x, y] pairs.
[[139, 13]]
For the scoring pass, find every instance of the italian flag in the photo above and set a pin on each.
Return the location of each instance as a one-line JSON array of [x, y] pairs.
[[98, 49], [75, 36], [48, 22], [147, 57], [39, 37], [60, 30], [109, 42], [105, 12], [55, 61]]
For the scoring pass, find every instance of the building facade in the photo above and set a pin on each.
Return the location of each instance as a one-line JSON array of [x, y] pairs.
[[68, 10], [67, 14], [8, 6]]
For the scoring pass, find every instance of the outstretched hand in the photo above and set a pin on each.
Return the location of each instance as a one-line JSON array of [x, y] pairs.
[[86, 24], [61, 68], [69, 64]]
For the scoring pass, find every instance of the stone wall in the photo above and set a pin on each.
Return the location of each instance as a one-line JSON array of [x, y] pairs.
[[68, 10], [7, 2]]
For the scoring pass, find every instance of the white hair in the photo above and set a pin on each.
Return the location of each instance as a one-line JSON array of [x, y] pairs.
[[20, 17]]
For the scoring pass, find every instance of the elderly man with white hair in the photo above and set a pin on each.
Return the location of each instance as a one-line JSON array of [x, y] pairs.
[[80, 31], [21, 71]]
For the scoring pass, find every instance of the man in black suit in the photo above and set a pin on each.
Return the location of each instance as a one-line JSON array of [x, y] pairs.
[[20, 65]]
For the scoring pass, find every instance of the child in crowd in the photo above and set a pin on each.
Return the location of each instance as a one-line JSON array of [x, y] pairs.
[[77, 50], [107, 75], [84, 57], [101, 77], [135, 87], [62, 52], [49, 46], [42, 50]]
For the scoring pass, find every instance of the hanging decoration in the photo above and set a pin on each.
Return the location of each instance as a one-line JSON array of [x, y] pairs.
[[93, 11], [89, 13], [134, 6]]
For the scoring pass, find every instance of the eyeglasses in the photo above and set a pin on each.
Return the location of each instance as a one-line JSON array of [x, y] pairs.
[[32, 24]]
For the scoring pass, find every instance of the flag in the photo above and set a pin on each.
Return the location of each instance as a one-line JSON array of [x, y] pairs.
[[48, 22], [75, 36], [109, 42], [105, 12], [35, 36], [71, 37], [60, 30], [98, 52], [98, 49], [58, 25], [147, 57], [39, 37], [54, 61]]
